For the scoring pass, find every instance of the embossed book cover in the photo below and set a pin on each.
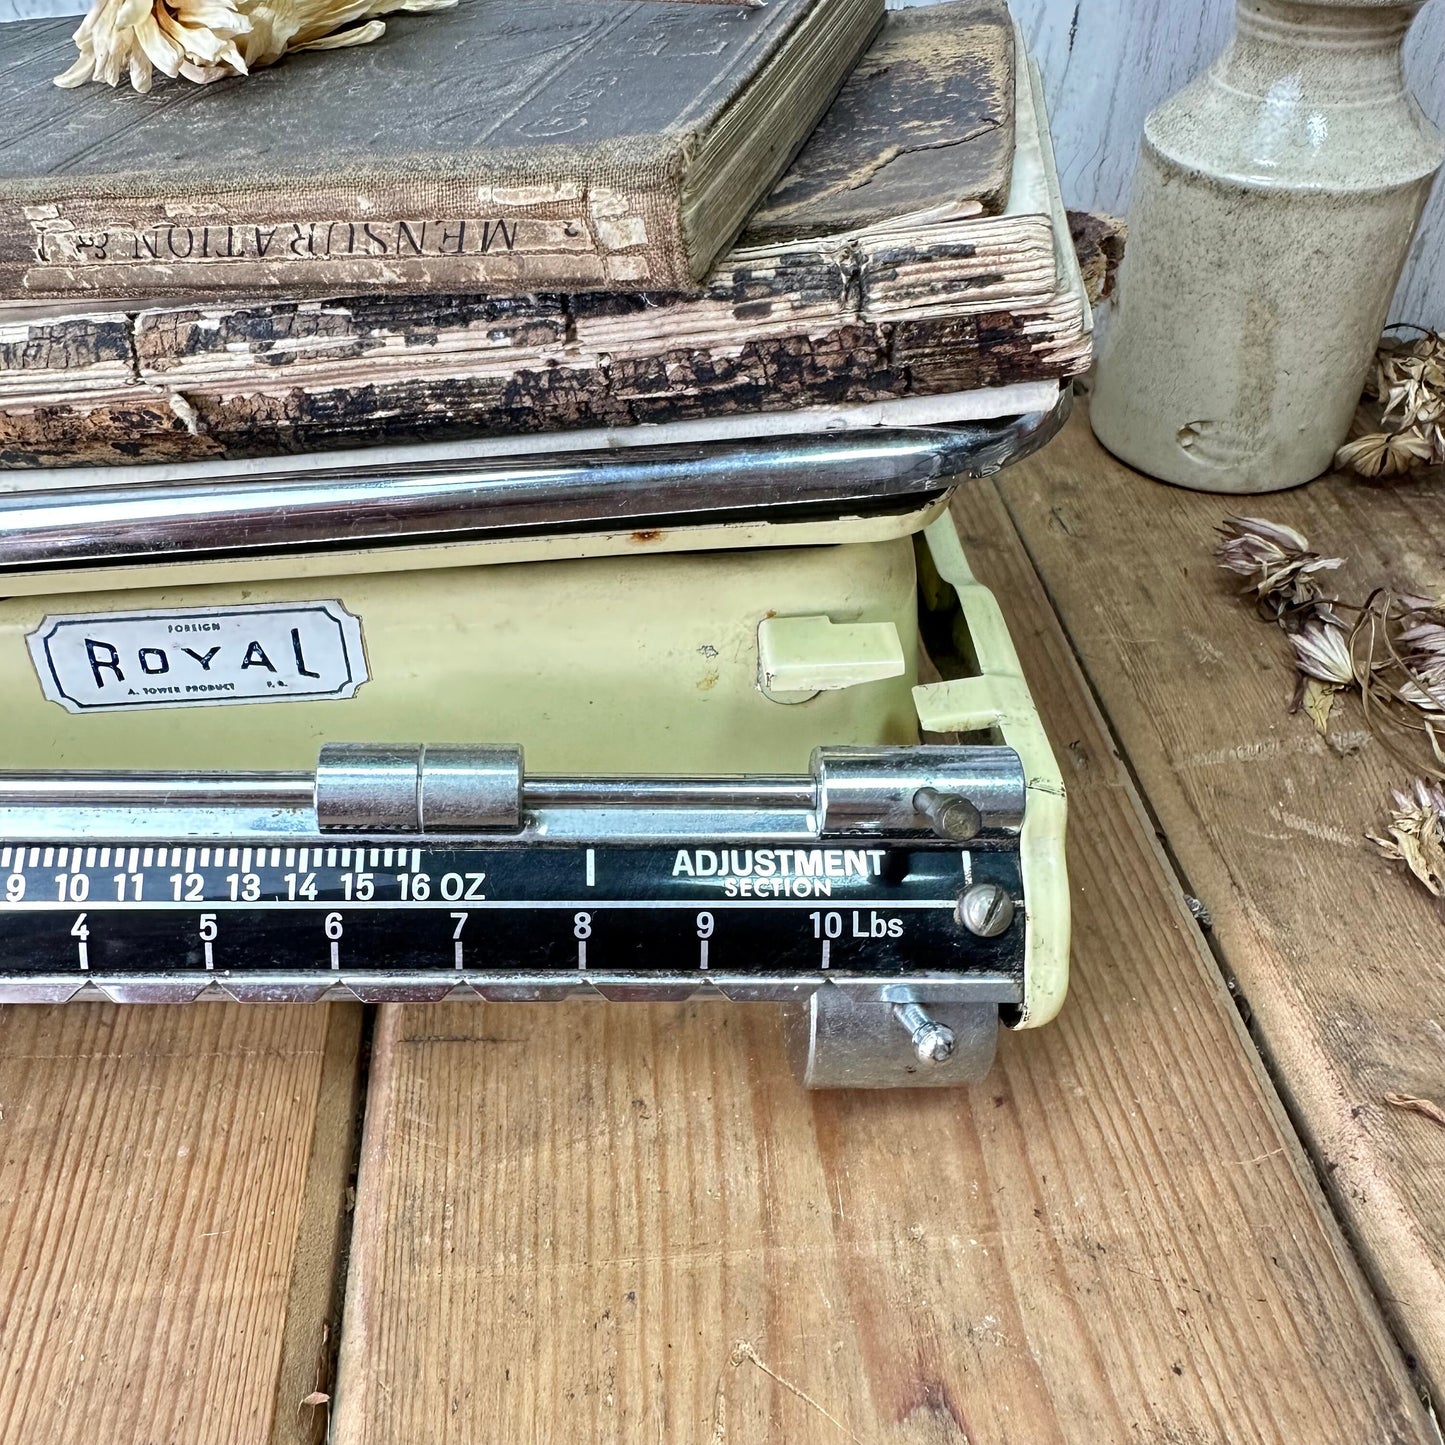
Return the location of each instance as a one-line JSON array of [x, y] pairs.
[[500, 147]]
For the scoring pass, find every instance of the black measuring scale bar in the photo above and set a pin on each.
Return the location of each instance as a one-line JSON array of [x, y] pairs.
[[407, 871], [884, 908]]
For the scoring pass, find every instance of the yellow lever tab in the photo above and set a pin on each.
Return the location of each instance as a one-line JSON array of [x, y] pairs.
[[799, 657]]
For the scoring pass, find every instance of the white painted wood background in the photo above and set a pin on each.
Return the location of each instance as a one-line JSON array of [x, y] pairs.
[[1107, 63]]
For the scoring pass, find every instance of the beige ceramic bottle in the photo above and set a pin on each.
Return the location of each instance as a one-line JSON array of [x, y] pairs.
[[1273, 207]]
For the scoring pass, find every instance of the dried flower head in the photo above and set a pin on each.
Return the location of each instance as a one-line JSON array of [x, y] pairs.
[[1252, 545], [1391, 653], [1423, 644], [1426, 690], [1398, 643], [1279, 568], [1415, 833], [1385, 454], [1322, 651], [1408, 382], [1411, 381], [205, 40]]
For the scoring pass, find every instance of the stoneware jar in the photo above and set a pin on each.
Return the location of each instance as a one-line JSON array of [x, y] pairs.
[[1272, 211]]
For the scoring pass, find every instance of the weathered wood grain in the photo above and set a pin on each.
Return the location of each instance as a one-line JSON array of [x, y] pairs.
[[623, 1223], [171, 1195], [35, 9], [1339, 956]]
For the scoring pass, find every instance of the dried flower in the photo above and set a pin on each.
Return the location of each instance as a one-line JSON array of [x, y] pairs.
[[1253, 545], [1426, 690], [1422, 635], [1322, 655], [1279, 567], [1385, 454], [1322, 651], [133, 37], [1425, 794], [205, 40], [1398, 642], [1416, 833], [1412, 602], [1411, 384], [1420, 642], [1392, 654], [1408, 382]]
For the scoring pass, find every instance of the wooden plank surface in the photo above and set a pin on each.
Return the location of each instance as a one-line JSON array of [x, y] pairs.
[[626, 1223], [1338, 954], [172, 1188]]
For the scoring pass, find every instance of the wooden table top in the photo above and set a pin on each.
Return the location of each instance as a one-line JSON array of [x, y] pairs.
[[1181, 1213]]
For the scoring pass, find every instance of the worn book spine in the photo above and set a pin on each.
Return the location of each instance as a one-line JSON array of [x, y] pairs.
[[149, 420], [166, 386], [613, 222], [193, 383]]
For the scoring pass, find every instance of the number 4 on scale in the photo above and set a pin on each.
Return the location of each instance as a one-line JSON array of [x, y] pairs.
[[81, 930]]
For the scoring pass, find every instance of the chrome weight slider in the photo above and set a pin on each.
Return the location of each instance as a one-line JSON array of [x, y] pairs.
[[952, 793]]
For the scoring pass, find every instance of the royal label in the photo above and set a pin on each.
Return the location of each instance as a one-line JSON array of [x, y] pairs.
[[202, 657]]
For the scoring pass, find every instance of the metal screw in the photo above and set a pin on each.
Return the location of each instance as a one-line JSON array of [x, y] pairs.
[[932, 1041], [986, 910], [949, 815]]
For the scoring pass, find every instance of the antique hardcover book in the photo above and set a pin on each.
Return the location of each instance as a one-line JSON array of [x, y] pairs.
[[917, 247], [501, 147]]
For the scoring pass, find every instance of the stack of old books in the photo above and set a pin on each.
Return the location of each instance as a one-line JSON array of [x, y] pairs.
[[536, 219]]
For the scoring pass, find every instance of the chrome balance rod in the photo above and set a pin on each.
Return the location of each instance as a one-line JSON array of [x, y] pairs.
[[362, 504], [156, 790], [298, 789], [955, 794]]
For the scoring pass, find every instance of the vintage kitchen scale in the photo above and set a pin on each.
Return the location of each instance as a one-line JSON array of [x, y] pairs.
[[218, 682]]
